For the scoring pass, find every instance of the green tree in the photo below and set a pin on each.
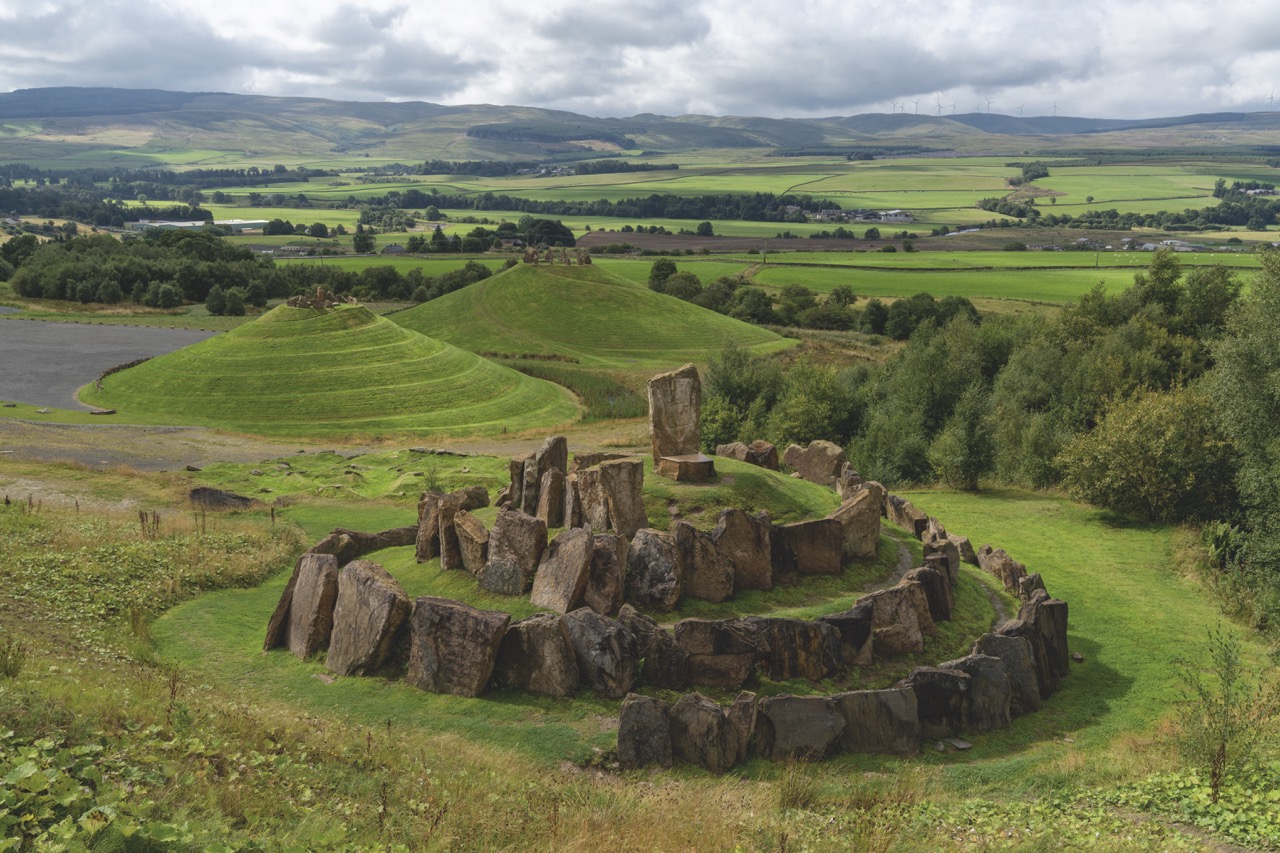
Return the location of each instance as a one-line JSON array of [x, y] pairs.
[[682, 285], [816, 402], [216, 302], [843, 295], [965, 449], [318, 229], [793, 301], [872, 234], [1161, 283], [662, 269], [235, 302], [363, 243], [705, 229], [1158, 455]]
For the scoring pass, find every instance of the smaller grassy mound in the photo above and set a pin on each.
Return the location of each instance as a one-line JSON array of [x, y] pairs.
[[345, 370], [583, 313]]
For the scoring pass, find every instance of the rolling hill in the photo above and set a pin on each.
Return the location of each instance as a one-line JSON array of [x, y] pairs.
[[583, 313], [343, 371], [71, 127]]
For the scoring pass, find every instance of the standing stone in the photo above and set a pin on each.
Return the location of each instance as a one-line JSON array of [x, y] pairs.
[[901, 617], [798, 648], [370, 609], [722, 652], [707, 571], [592, 502], [553, 456], [965, 547], [987, 703], [821, 462], [798, 727], [428, 539], [859, 518], [516, 544], [453, 646], [733, 450], [855, 626], [537, 656], [1015, 652], [622, 481], [551, 498], [946, 552], [314, 597], [700, 733], [1028, 586], [591, 460], [1047, 679], [997, 562], [653, 575], [937, 592], [940, 699], [741, 721], [675, 413], [450, 550], [745, 540], [473, 542], [471, 497], [665, 664], [880, 721], [605, 579], [812, 547], [529, 481], [516, 472], [762, 454], [562, 577], [644, 732], [605, 651]]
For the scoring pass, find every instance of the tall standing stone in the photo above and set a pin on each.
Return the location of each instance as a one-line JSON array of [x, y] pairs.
[[371, 608], [314, 597], [675, 413], [562, 578], [473, 541], [707, 571], [604, 592], [450, 550], [428, 539], [623, 483], [516, 544], [653, 575], [551, 498], [746, 541]]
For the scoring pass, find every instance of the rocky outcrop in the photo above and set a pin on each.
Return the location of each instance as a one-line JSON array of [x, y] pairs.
[[371, 609], [536, 655], [453, 646]]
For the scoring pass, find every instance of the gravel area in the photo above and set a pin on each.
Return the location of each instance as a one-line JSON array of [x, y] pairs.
[[44, 364]]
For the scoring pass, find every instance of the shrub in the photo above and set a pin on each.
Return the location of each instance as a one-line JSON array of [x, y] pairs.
[[13, 654]]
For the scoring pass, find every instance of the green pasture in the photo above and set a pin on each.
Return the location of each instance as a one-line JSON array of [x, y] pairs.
[[581, 313], [971, 260], [429, 264], [344, 371]]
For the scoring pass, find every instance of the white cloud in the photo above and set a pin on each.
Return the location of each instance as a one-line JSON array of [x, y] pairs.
[[620, 57]]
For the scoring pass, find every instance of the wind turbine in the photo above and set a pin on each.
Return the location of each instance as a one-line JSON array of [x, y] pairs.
[[988, 106], [1020, 106], [916, 104], [939, 105], [895, 108], [1271, 99], [1055, 109], [953, 107]]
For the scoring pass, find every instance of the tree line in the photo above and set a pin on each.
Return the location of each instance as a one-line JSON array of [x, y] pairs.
[[1159, 402]]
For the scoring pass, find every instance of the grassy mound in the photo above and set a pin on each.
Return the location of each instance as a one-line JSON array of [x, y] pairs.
[[584, 313], [297, 371]]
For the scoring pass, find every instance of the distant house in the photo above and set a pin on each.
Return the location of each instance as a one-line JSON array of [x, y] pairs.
[[393, 249], [896, 216]]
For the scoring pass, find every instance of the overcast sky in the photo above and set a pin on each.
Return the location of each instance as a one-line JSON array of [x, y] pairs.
[[1099, 58]]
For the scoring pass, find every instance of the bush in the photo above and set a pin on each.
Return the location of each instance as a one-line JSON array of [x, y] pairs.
[[13, 654], [1224, 720]]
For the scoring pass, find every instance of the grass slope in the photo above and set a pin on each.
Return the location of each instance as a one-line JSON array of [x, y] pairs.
[[583, 313], [345, 370]]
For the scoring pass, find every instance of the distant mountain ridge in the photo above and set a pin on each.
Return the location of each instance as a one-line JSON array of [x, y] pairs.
[[82, 118]]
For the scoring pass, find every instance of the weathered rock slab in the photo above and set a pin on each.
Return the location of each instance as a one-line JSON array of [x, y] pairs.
[[453, 647], [536, 655], [371, 608]]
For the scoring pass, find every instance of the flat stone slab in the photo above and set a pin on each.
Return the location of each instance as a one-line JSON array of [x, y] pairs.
[[688, 468]]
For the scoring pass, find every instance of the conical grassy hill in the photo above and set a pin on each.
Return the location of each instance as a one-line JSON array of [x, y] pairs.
[[345, 370], [583, 313]]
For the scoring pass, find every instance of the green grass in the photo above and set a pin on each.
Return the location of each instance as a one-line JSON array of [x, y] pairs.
[[582, 313], [1132, 615], [339, 372]]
